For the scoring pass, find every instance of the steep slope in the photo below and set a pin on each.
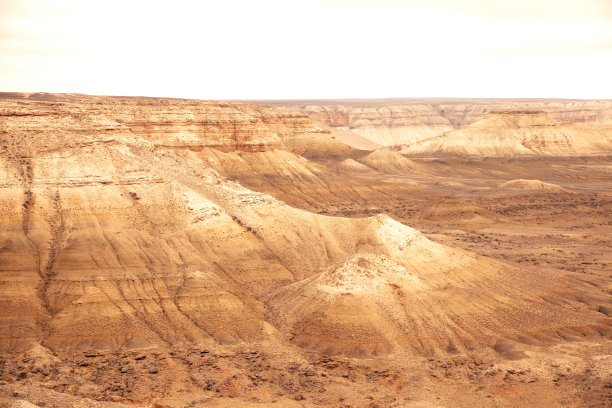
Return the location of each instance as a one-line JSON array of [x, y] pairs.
[[297, 180], [113, 235], [506, 133], [346, 135], [165, 122], [384, 125], [418, 295], [389, 161], [406, 121], [348, 309], [350, 165], [109, 239], [569, 111]]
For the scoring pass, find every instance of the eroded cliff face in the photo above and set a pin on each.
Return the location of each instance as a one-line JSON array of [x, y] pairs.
[[164, 122], [384, 125], [89, 253], [115, 233], [109, 240], [577, 112], [519, 132], [397, 121]]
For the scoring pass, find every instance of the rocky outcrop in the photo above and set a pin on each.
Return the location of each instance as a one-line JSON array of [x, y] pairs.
[[571, 111], [416, 295], [407, 121], [383, 125], [164, 122], [115, 233], [121, 244], [333, 118], [519, 132]]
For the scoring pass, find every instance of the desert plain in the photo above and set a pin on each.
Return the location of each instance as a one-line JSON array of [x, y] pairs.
[[346, 253]]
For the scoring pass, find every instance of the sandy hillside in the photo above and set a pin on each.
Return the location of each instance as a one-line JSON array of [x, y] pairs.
[[534, 185], [196, 253]]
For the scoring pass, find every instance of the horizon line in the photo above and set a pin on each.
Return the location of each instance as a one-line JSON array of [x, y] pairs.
[[28, 94]]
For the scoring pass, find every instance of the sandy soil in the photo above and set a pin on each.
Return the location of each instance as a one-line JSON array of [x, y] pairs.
[[534, 230]]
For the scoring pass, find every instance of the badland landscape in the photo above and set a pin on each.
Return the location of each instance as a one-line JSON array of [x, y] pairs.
[[260, 225], [170, 253]]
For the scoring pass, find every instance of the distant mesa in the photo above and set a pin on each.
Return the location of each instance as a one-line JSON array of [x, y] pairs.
[[517, 112], [393, 122], [517, 133]]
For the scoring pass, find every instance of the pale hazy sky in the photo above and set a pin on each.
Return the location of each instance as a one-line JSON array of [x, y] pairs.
[[241, 49]]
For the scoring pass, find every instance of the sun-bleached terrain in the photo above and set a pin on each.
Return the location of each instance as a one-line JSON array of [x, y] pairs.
[[174, 253], [512, 132], [429, 125]]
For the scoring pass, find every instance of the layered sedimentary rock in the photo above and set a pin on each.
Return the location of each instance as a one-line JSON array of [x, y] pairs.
[[90, 251], [416, 295], [571, 111], [164, 122], [117, 234], [519, 132], [406, 121], [383, 125], [115, 244]]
